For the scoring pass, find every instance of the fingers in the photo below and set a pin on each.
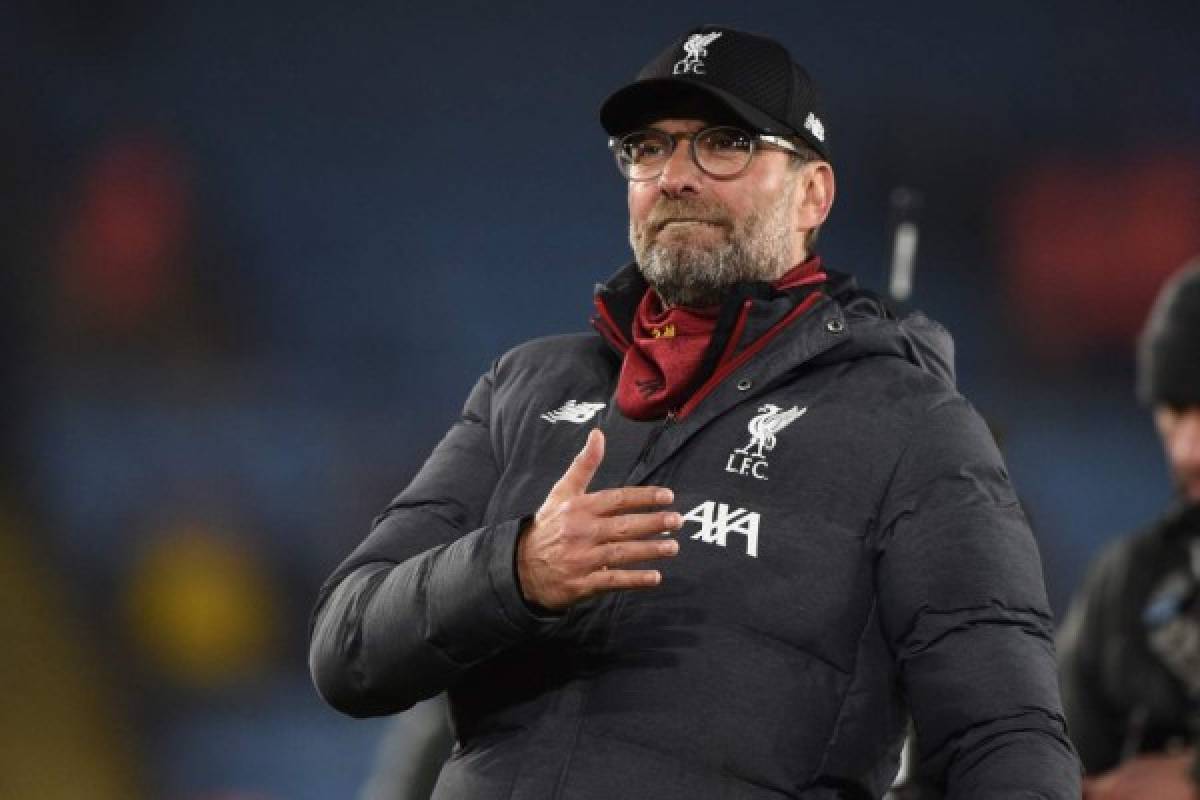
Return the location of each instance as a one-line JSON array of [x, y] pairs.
[[619, 554], [583, 468], [610, 580], [579, 542], [635, 526], [627, 498]]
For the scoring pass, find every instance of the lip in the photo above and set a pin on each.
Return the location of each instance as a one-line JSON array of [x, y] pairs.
[[687, 221]]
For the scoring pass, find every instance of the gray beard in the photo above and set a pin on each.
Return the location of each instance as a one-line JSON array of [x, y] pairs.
[[686, 274], [696, 277]]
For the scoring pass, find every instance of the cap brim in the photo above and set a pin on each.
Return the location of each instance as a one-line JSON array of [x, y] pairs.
[[642, 102]]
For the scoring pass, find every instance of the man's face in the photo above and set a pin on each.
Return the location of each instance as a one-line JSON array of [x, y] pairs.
[[1180, 432], [695, 236]]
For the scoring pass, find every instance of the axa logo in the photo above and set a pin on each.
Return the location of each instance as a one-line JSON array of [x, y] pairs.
[[718, 520], [572, 411], [764, 427], [696, 48]]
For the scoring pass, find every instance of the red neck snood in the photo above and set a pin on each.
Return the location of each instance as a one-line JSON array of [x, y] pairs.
[[668, 347]]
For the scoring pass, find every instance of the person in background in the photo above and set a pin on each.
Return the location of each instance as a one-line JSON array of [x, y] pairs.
[[1130, 643], [728, 544]]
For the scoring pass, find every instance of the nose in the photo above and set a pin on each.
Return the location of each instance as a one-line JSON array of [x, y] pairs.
[[680, 174]]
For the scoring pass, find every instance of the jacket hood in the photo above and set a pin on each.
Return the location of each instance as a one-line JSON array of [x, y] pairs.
[[876, 330]]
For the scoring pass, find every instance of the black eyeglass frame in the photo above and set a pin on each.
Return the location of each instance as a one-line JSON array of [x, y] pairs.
[[756, 140]]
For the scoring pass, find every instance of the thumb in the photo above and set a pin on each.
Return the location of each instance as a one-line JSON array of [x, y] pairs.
[[583, 468]]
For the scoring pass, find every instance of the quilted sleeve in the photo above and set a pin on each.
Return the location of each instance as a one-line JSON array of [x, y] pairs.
[[964, 607], [429, 593]]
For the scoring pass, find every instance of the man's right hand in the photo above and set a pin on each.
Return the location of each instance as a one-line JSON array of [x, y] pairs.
[[577, 541]]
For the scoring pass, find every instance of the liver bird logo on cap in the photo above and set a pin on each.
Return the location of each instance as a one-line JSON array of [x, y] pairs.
[[696, 48]]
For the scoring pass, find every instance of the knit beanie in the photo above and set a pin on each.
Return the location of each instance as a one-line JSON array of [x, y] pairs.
[[1168, 358]]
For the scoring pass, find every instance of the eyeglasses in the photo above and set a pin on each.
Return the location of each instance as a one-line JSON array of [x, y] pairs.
[[721, 152]]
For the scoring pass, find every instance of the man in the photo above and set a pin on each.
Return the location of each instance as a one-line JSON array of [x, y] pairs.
[[723, 548], [1131, 640]]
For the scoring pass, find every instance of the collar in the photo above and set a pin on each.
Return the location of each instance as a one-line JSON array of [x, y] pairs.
[[751, 315], [616, 300]]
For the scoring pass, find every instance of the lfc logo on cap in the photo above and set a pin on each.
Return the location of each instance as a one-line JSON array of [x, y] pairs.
[[696, 48]]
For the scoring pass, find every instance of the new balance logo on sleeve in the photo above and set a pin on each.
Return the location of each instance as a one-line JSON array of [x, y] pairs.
[[572, 411]]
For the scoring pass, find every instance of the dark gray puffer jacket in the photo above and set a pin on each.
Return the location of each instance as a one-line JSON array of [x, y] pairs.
[[853, 553]]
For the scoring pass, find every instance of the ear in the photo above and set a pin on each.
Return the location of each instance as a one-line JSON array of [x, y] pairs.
[[814, 195]]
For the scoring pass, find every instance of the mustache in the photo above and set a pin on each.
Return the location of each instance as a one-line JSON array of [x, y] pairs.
[[675, 210]]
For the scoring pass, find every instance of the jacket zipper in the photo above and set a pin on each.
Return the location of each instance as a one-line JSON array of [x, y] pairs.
[[724, 370], [653, 438]]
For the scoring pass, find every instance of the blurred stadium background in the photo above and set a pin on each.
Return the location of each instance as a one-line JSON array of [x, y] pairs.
[[255, 255]]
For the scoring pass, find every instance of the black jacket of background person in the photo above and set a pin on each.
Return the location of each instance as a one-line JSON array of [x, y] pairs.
[[877, 555], [1119, 695]]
